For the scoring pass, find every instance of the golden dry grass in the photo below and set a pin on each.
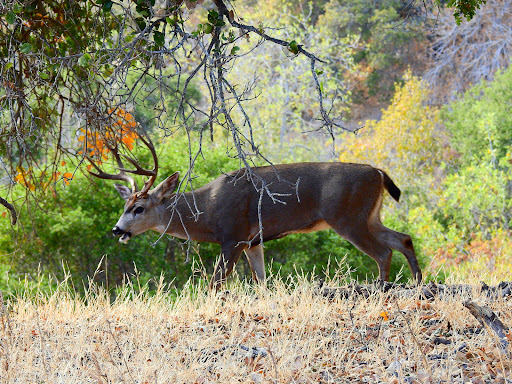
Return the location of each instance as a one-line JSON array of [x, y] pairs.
[[302, 338]]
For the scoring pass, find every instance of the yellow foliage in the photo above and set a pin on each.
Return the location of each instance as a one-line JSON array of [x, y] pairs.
[[404, 141], [24, 177]]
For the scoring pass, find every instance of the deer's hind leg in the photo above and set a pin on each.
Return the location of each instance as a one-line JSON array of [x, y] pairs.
[[364, 240], [402, 243]]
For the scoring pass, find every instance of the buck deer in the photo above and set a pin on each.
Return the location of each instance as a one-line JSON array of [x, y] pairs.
[[298, 198]]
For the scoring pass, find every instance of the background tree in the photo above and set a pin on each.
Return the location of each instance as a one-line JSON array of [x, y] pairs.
[[390, 34], [406, 139], [464, 54]]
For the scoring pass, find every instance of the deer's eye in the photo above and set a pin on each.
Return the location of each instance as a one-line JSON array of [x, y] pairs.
[[138, 210]]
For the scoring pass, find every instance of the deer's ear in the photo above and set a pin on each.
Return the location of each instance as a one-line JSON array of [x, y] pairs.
[[167, 187], [124, 191]]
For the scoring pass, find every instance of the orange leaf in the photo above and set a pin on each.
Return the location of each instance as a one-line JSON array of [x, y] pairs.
[[384, 315], [68, 175], [63, 163]]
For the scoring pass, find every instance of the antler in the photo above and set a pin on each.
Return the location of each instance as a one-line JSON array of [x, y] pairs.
[[122, 175], [152, 173]]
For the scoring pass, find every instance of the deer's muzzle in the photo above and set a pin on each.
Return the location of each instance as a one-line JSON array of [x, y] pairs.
[[125, 235], [117, 231]]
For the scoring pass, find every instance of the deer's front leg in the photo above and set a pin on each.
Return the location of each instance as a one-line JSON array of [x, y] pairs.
[[231, 252], [256, 262]]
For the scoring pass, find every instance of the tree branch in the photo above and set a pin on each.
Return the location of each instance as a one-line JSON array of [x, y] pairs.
[[223, 11], [10, 207]]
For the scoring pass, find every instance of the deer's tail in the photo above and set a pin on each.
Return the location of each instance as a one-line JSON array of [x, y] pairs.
[[391, 187]]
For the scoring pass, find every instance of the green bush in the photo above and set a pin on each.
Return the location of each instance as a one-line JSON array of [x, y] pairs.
[[481, 121]]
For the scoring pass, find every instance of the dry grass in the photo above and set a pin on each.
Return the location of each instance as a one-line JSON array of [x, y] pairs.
[[196, 338]]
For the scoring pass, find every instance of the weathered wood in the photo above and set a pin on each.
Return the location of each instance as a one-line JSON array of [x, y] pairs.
[[488, 319], [238, 349]]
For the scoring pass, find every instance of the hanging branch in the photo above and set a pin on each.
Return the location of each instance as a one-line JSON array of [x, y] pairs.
[[10, 207], [294, 48]]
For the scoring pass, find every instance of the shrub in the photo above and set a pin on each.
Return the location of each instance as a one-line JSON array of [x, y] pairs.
[[481, 117], [406, 141]]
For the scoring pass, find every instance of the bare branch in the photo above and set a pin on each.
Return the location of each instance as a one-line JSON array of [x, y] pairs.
[[10, 207], [474, 50]]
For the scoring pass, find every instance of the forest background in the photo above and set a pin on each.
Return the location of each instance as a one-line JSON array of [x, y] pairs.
[[419, 95]]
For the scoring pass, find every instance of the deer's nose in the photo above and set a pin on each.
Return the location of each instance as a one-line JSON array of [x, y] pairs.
[[117, 231]]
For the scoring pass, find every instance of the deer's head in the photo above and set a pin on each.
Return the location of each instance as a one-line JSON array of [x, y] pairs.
[[144, 211]]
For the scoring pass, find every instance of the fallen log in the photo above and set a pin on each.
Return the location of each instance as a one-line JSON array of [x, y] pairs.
[[489, 320], [425, 291]]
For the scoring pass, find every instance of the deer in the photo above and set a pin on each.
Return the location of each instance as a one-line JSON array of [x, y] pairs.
[[292, 198]]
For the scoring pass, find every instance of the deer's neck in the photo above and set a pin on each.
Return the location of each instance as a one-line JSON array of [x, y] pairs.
[[183, 216]]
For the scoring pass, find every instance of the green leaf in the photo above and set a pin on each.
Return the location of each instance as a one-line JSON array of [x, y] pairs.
[[84, 60], [10, 17], [8, 66], [129, 37], [213, 16], [141, 23], [234, 50], [158, 38], [108, 71], [318, 72], [107, 6], [142, 9], [293, 47], [26, 48], [44, 76], [208, 28]]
